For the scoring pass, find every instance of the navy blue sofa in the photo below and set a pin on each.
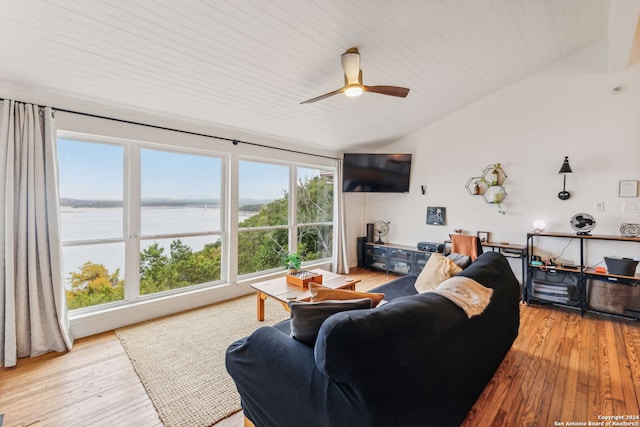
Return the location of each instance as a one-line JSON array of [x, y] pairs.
[[416, 361]]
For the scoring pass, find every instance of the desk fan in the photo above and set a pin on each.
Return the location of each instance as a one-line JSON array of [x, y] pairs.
[[583, 223], [381, 229]]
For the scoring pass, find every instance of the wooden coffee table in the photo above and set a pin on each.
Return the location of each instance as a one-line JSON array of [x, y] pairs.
[[279, 289]]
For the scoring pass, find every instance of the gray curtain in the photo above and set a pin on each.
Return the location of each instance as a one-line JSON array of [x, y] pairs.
[[33, 312], [340, 261]]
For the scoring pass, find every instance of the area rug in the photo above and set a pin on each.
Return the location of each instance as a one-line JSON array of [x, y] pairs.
[[180, 358]]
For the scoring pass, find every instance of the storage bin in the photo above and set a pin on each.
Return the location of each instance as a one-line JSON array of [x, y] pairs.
[[608, 296], [621, 266], [554, 286]]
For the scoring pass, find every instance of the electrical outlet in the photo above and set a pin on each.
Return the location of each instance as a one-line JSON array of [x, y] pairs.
[[599, 206], [631, 207]]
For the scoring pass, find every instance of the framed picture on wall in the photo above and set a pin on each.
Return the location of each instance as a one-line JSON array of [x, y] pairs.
[[436, 215], [483, 236], [628, 188]]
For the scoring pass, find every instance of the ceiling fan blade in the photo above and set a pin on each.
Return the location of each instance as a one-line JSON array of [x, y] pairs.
[[326, 95], [351, 65], [401, 92]]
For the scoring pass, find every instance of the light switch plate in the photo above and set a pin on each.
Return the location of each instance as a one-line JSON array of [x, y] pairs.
[[631, 207]]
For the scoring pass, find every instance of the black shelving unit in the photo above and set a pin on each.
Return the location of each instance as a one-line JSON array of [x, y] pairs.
[[394, 258], [570, 287]]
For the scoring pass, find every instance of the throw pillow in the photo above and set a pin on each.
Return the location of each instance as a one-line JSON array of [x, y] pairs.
[[437, 270], [323, 293], [462, 261], [307, 317]]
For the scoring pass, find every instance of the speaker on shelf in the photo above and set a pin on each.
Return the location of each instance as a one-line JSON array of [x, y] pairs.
[[369, 232], [361, 252]]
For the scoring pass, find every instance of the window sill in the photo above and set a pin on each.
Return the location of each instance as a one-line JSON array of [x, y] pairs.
[[116, 316], [90, 322]]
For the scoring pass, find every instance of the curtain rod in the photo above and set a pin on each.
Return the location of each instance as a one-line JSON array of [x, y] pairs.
[[232, 140]]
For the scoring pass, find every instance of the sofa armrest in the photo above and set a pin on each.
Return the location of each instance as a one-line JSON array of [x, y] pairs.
[[397, 288], [276, 376]]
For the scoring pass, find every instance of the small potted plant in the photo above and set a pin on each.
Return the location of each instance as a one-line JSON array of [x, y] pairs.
[[292, 262], [295, 276]]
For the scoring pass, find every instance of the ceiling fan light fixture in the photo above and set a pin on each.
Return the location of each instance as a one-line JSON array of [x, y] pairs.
[[353, 85], [353, 90]]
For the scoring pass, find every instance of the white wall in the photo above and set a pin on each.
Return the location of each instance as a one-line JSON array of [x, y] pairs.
[[528, 127]]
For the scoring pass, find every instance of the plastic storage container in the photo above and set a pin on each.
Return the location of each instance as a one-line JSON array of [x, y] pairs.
[[621, 266]]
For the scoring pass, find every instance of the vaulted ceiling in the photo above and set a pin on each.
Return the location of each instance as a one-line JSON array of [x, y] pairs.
[[246, 65]]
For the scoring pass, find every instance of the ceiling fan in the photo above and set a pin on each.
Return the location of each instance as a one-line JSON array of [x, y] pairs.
[[353, 80]]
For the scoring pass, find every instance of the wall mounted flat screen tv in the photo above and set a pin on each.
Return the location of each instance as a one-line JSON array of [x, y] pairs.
[[376, 173]]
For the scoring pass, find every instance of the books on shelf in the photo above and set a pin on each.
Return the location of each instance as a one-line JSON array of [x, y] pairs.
[[402, 267]]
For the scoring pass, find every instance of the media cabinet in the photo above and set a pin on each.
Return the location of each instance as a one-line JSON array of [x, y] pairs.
[[394, 258]]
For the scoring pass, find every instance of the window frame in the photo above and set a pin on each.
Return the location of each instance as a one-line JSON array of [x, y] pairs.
[[223, 233], [132, 205], [315, 224], [293, 225], [101, 318]]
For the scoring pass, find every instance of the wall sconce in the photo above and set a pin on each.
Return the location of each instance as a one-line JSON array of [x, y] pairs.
[[564, 170]]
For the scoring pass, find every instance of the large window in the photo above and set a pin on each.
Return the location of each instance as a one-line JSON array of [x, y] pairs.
[[140, 219], [91, 180], [283, 208], [263, 216], [155, 211], [314, 213], [180, 220]]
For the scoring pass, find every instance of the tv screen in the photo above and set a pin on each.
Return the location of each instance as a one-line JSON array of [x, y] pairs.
[[376, 173]]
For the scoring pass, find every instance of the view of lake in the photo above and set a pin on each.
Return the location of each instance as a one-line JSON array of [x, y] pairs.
[[181, 191], [106, 223]]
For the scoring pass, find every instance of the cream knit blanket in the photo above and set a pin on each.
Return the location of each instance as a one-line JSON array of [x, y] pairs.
[[466, 293]]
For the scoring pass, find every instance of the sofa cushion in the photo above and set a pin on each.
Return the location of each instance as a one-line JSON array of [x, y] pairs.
[[307, 317], [437, 270], [400, 287], [323, 293]]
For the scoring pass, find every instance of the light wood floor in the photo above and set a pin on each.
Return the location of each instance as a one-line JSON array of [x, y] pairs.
[[562, 367]]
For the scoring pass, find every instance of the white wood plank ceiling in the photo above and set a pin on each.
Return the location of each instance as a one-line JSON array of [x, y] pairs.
[[247, 64]]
